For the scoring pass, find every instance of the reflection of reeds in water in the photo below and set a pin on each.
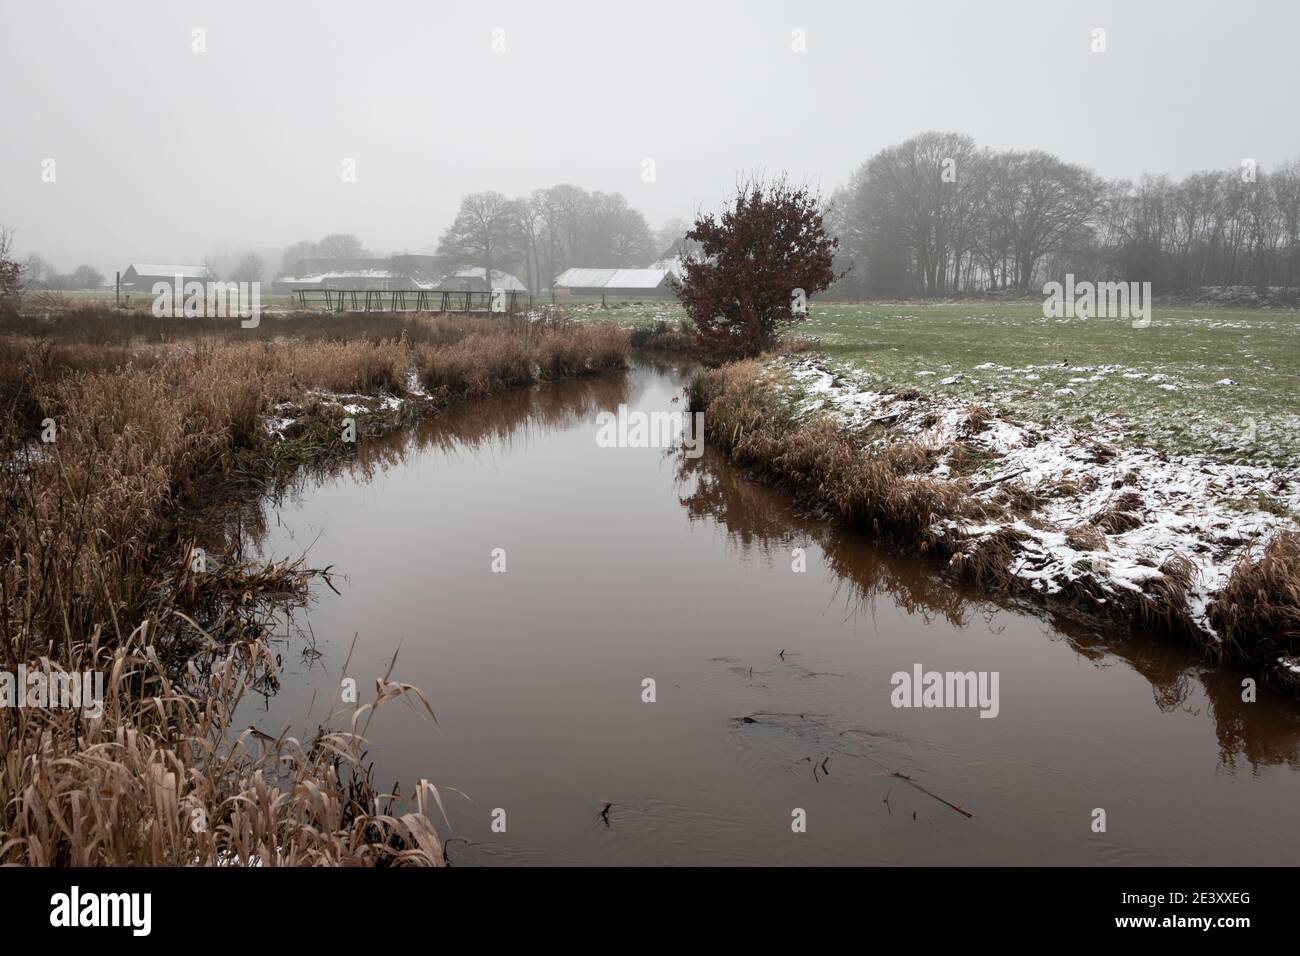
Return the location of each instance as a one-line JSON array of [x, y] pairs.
[[1263, 732], [509, 420], [760, 521]]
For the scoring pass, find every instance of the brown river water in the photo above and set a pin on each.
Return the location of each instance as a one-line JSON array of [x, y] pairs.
[[626, 564]]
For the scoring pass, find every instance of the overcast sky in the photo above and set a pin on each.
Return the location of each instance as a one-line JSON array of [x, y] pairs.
[[164, 154]]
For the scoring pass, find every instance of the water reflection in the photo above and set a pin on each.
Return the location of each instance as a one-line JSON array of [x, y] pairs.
[[760, 522], [642, 561]]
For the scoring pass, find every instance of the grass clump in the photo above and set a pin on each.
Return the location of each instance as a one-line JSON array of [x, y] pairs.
[[1258, 612]]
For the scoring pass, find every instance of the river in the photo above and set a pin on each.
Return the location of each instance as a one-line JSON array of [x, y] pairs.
[[772, 687]]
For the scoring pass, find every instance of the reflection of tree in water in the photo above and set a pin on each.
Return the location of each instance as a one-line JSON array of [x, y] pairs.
[[751, 515], [759, 520], [509, 420]]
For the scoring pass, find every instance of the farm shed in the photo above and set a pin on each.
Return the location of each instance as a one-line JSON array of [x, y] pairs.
[[370, 279], [471, 280], [623, 283], [369, 272], [140, 277]]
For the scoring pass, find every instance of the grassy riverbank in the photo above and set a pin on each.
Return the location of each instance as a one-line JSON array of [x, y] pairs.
[[1200, 380], [119, 432], [1081, 518]]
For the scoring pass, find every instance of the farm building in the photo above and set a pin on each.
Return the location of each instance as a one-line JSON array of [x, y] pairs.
[[380, 279], [393, 273], [140, 276], [471, 280], [624, 283], [673, 264]]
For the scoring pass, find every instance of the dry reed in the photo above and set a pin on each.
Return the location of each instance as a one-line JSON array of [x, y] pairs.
[[153, 418]]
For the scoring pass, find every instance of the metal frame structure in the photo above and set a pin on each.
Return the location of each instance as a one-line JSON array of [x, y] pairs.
[[402, 300]]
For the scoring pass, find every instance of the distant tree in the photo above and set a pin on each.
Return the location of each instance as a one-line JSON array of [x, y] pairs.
[[1286, 195], [340, 245], [483, 233], [86, 277], [296, 253], [11, 271], [531, 225], [251, 268], [670, 235], [758, 264], [617, 235], [36, 270], [566, 215]]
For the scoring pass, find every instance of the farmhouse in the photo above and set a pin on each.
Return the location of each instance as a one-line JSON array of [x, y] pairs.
[[140, 276], [654, 283]]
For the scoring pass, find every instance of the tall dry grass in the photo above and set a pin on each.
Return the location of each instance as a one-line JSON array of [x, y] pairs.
[[95, 575], [885, 488], [1258, 613], [885, 491]]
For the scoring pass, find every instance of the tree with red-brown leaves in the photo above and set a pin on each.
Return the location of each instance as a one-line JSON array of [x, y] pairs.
[[756, 268]]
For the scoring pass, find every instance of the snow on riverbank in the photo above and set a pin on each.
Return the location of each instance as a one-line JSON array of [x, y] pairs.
[[1093, 507], [286, 414]]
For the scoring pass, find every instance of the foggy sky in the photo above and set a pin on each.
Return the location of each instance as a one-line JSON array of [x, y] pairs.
[[164, 155]]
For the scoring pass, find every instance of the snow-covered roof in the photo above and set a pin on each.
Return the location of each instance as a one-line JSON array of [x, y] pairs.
[[611, 278], [637, 278], [584, 278], [671, 264], [155, 269], [500, 280], [387, 274]]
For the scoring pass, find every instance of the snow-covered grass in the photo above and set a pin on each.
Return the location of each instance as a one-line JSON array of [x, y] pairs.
[[1073, 513], [1067, 477]]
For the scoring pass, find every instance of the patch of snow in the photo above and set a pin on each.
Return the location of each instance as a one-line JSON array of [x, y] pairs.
[[1206, 511]]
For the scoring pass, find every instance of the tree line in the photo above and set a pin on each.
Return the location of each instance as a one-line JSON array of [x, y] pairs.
[[937, 215], [538, 236], [934, 215], [38, 275]]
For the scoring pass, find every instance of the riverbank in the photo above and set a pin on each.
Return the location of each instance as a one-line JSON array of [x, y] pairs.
[[1209, 381], [1074, 517], [771, 637], [115, 446]]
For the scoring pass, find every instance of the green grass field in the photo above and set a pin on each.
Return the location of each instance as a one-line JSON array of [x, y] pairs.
[[1163, 380]]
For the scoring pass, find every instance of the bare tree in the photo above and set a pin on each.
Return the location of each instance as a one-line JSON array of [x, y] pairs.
[[251, 268], [86, 277], [482, 232], [340, 245]]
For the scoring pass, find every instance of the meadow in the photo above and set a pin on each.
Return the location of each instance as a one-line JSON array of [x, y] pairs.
[[1222, 383]]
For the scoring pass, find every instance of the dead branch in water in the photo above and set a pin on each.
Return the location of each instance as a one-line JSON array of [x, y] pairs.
[[903, 776]]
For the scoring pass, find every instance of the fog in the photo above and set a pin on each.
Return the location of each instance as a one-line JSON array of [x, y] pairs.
[[165, 154]]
